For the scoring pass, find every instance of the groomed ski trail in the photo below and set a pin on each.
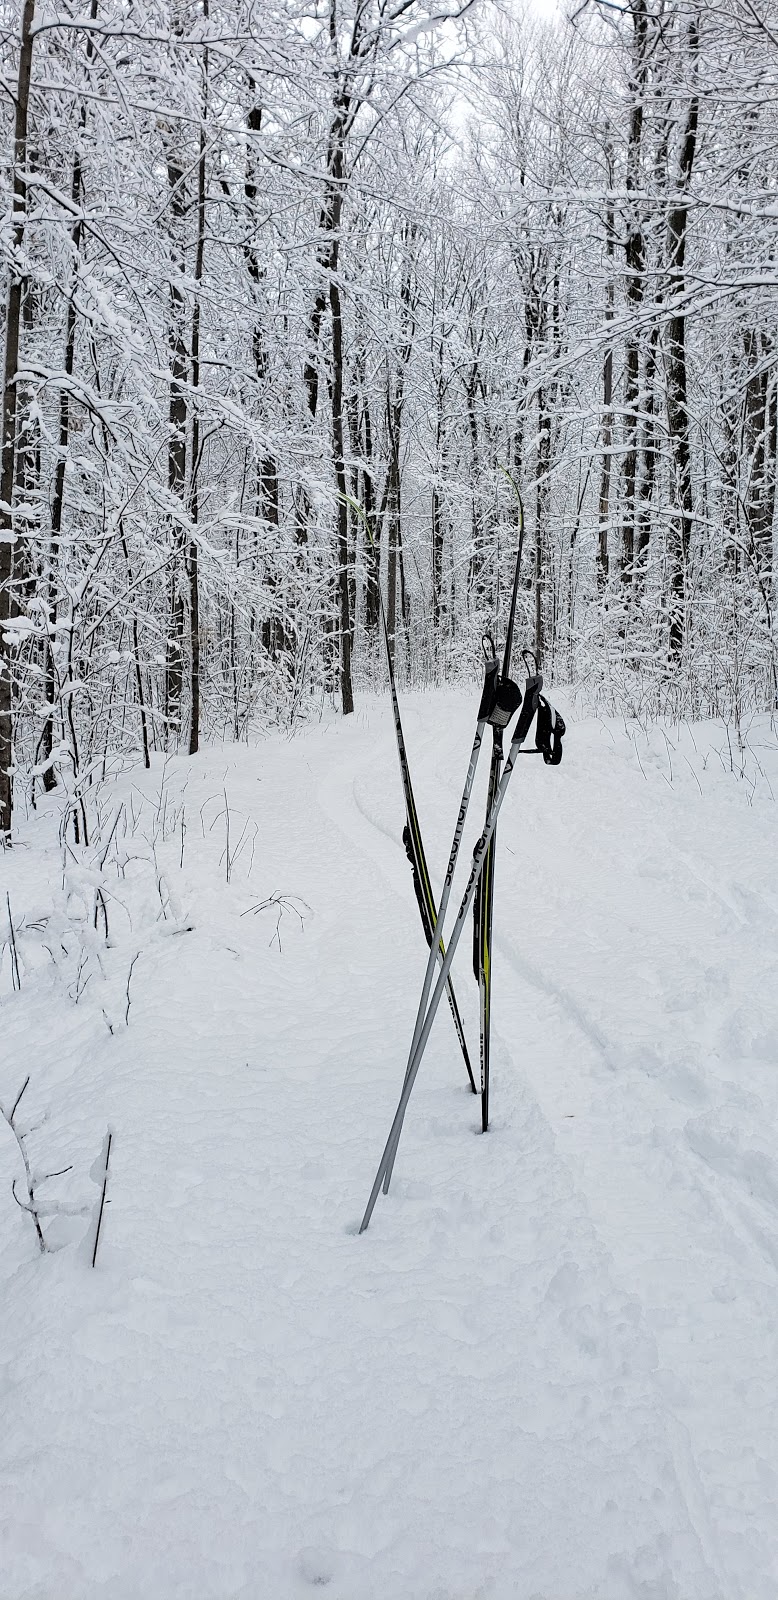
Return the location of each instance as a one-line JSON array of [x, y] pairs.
[[484, 1398], [345, 801], [548, 1035]]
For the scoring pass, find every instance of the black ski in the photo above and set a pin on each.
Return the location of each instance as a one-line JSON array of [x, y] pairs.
[[484, 899], [414, 846]]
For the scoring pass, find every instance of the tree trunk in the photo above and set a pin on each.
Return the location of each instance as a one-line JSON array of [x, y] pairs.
[[759, 448], [607, 399], [28, 468], [395, 402], [329, 223], [648, 458], [177, 414], [339, 463], [373, 547], [476, 565], [274, 632], [58, 499], [9, 407], [635, 255], [438, 516], [541, 512], [194, 501], [437, 567], [392, 518], [677, 386]]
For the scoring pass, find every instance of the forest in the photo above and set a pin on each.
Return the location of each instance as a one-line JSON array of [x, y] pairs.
[[295, 289]]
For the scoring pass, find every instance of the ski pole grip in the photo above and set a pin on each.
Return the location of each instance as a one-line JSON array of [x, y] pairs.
[[489, 692], [507, 699]]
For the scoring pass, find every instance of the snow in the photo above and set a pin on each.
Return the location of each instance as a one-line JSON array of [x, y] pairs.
[[547, 1371]]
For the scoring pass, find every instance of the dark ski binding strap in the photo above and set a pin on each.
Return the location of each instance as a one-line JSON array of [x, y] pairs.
[[419, 892], [550, 728], [549, 733], [500, 696]]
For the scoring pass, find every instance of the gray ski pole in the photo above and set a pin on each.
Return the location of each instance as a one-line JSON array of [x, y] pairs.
[[414, 1063], [434, 955]]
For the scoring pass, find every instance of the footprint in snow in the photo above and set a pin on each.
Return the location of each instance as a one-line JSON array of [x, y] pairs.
[[316, 1567]]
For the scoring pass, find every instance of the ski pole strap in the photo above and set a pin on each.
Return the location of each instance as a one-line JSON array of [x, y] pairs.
[[549, 732], [501, 697]]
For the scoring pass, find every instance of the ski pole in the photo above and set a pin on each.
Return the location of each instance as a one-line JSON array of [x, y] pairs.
[[444, 899], [522, 728]]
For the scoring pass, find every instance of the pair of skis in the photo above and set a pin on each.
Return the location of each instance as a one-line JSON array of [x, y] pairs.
[[412, 839], [500, 698]]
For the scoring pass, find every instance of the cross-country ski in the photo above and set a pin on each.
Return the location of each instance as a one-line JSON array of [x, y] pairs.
[[483, 904]]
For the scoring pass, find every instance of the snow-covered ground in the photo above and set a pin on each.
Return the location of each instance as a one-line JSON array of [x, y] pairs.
[[549, 1370]]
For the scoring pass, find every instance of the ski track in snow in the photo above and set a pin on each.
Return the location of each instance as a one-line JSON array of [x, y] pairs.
[[547, 1371]]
